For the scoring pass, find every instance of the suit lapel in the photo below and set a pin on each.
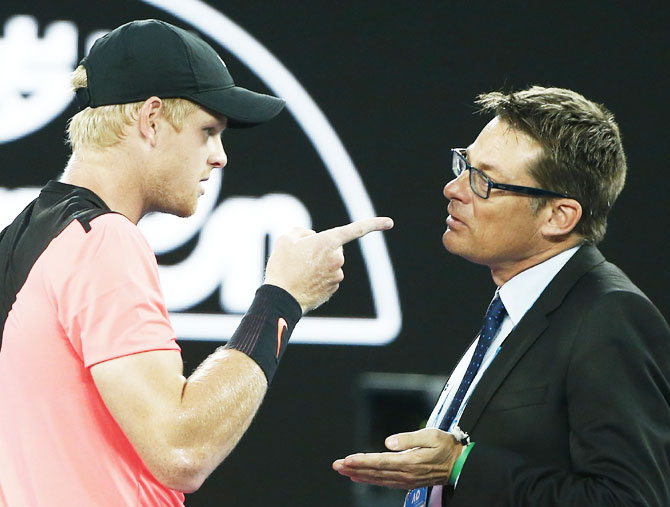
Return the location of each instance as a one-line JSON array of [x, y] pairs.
[[529, 329]]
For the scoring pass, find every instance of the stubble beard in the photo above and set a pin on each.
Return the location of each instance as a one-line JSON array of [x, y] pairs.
[[179, 204]]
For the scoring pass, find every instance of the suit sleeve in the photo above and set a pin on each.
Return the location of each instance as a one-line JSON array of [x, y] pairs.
[[618, 410]]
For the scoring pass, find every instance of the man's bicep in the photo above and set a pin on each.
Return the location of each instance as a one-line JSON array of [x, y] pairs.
[[142, 392]]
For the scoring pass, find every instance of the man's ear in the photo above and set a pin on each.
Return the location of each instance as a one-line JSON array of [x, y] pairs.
[[148, 121], [564, 215]]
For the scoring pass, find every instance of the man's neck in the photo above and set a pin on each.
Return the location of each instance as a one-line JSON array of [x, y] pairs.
[[106, 172], [506, 271]]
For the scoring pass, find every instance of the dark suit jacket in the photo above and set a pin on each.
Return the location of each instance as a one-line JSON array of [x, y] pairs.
[[575, 409]]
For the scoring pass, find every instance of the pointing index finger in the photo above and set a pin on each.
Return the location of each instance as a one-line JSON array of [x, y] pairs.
[[346, 233]]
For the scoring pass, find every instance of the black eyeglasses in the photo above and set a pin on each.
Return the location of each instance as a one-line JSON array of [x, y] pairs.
[[482, 184]]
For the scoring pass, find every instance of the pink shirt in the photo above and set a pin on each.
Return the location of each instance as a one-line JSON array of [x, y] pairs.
[[89, 298]]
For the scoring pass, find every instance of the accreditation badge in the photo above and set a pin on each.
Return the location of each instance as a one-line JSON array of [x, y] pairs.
[[416, 498]]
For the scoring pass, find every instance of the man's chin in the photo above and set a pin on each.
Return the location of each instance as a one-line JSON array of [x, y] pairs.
[[450, 242], [182, 210], [456, 247], [186, 212]]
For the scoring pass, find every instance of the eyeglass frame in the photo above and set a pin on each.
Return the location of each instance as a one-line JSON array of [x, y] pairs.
[[458, 154]]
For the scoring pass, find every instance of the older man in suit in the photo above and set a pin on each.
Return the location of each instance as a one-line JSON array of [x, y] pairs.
[[563, 399]]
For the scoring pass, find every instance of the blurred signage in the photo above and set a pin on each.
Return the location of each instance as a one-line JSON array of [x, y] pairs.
[[224, 245]]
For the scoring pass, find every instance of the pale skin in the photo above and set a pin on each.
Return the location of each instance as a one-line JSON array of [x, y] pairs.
[[183, 428], [502, 232]]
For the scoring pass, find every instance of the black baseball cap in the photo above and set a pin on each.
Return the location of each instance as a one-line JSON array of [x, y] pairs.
[[150, 57]]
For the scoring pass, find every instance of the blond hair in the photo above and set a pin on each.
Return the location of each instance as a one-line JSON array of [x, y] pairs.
[[104, 126]]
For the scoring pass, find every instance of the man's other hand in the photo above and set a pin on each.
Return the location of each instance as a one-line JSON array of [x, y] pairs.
[[422, 458]]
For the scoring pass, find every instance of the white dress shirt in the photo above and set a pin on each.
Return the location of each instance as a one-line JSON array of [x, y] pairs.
[[518, 295]]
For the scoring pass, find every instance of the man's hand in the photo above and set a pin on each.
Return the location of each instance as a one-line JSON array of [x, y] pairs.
[[309, 265], [424, 458]]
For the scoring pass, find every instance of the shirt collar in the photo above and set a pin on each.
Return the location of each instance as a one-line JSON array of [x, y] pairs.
[[521, 291]]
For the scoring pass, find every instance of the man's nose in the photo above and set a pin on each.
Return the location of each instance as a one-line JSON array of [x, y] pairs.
[[458, 188], [218, 157]]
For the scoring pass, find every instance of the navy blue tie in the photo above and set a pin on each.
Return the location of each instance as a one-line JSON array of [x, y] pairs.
[[494, 317]]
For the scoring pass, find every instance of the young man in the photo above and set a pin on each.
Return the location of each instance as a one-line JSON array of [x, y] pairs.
[[94, 408], [565, 394]]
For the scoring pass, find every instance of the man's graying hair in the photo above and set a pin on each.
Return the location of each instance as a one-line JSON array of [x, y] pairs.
[[583, 155]]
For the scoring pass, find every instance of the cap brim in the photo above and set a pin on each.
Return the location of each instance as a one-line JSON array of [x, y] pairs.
[[242, 107]]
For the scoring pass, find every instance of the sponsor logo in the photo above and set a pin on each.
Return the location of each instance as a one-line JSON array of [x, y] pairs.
[[281, 327]]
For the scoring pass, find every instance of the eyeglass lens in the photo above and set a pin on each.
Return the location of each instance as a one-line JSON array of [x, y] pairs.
[[478, 181]]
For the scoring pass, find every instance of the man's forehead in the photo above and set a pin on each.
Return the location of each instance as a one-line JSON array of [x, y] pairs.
[[502, 149], [501, 132]]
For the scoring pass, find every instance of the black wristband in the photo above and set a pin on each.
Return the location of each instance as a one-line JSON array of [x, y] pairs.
[[266, 328]]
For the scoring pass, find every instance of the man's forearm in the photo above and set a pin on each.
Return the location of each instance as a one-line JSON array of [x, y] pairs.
[[221, 397], [219, 402]]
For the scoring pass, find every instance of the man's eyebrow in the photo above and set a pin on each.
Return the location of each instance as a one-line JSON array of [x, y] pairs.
[[483, 166], [219, 122], [486, 168]]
